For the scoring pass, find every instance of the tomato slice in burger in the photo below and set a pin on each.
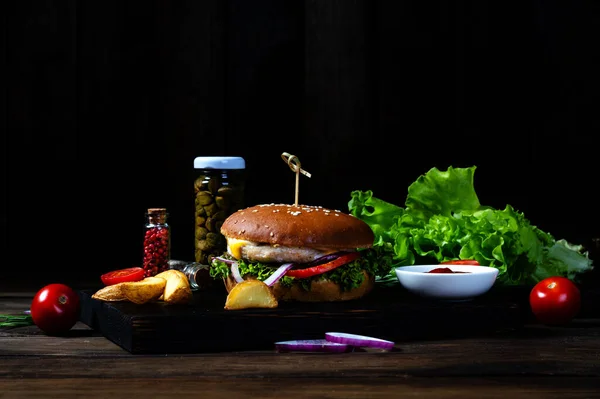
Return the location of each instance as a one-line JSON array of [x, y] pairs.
[[323, 268], [461, 262], [123, 275]]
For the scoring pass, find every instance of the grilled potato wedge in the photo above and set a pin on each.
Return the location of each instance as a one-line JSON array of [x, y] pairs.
[[250, 294], [177, 290], [111, 293], [146, 290]]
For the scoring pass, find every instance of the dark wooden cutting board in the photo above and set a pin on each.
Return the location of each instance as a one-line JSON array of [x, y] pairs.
[[204, 326]]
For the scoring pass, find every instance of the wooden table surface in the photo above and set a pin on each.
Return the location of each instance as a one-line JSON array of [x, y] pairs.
[[535, 362]]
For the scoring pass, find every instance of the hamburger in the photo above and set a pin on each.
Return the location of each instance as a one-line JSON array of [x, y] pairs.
[[304, 253]]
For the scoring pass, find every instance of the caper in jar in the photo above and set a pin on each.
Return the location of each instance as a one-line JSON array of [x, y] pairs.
[[201, 232], [211, 209], [200, 220], [222, 202], [199, 184], [204, 198]]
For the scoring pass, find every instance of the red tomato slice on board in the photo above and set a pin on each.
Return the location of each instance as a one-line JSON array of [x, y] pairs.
[[323, 268], [461, 262], [123, 275]]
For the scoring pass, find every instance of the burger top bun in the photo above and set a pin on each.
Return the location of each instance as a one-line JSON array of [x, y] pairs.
[[298, 226]]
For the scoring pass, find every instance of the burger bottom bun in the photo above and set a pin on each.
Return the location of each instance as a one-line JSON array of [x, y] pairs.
[[320, 290]]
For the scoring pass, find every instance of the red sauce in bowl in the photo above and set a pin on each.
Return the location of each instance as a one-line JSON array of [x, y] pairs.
[[443, 270]]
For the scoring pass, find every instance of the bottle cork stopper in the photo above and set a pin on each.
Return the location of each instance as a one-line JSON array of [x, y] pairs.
[[157, 215]]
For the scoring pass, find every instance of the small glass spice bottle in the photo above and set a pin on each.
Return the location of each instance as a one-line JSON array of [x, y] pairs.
[[197, 274], [157, 242]]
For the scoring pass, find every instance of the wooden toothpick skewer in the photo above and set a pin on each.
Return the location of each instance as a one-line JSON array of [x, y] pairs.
[[294, 164]]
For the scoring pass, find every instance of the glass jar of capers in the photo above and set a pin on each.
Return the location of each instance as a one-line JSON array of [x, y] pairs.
[[219, 191]]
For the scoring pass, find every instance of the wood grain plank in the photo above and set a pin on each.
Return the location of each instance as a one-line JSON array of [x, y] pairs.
[[80, 344], [547, 353], [339, 387]]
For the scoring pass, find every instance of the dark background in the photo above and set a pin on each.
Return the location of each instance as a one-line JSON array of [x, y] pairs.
[[107, 103]]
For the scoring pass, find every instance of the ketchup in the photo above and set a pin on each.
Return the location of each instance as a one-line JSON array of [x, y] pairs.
[[443, 270]]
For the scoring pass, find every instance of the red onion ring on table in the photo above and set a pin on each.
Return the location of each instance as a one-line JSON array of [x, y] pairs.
[[358, 340]]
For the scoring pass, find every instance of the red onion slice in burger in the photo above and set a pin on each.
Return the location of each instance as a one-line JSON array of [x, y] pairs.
[[235, 272], [278, 274], [326, 258], [224, 260]]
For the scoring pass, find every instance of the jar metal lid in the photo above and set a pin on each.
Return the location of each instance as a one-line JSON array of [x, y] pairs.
[[219, 163]]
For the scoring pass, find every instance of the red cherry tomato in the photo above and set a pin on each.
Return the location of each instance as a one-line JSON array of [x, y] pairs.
[[55, 309], [123, 275], [555, 300]]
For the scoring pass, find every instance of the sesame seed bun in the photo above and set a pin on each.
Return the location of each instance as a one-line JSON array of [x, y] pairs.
[[298, 226]]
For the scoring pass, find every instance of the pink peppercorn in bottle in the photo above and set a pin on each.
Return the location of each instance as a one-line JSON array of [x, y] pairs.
[[157, 242]]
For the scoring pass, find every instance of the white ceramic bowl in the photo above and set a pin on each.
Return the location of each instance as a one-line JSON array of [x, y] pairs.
[[456, 286]]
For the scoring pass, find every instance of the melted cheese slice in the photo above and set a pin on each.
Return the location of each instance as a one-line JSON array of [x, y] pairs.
[[234, 247]]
